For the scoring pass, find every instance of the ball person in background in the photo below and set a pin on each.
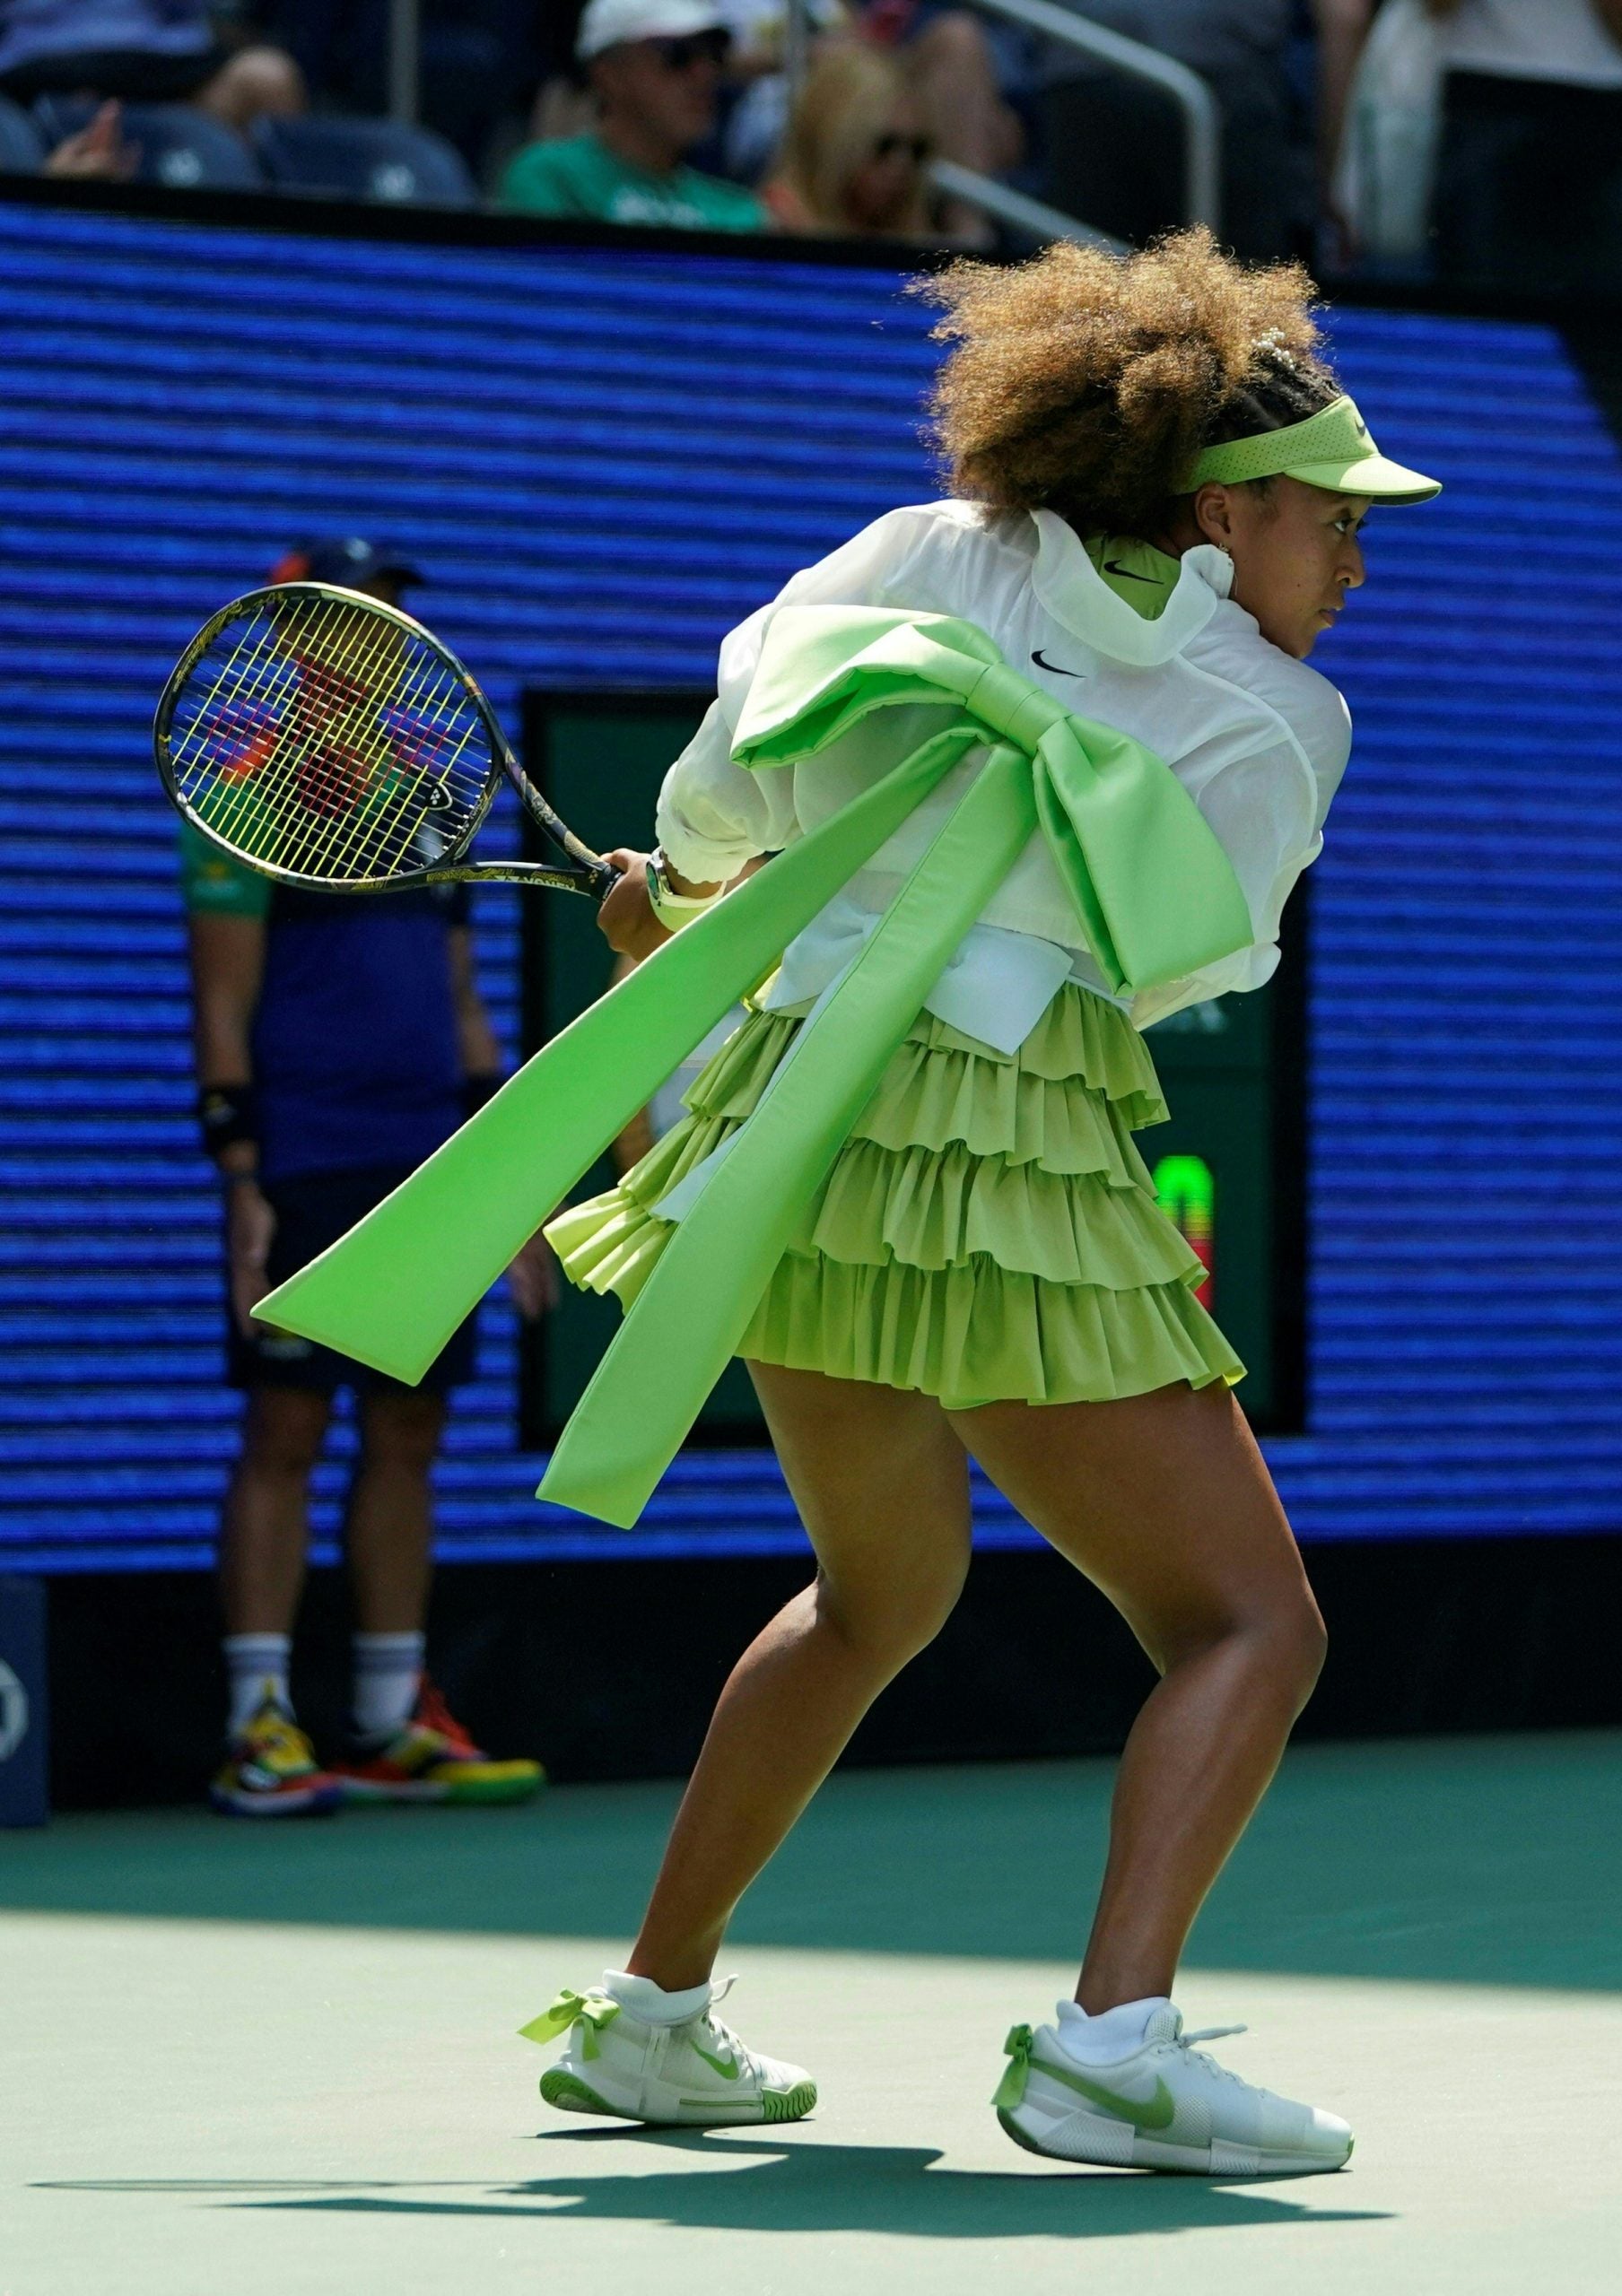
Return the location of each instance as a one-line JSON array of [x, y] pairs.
[[338, 1041]]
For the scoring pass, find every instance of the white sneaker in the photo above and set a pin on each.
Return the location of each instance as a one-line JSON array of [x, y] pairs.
[[695, 2073], [1166, 2105]]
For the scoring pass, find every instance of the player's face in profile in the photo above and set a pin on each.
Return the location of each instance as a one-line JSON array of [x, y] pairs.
[[1296, 554]]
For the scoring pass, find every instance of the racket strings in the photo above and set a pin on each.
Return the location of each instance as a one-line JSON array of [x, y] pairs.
[[241, 739], [327, 740]]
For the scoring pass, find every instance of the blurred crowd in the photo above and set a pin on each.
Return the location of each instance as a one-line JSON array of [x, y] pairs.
[[1473, 141]]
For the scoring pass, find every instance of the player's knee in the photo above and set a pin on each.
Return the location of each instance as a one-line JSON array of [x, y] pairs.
[[402, 1431], [1276, 1633], [887, 1624], [1288, 1641], [283, 1431], [1306, 1643]]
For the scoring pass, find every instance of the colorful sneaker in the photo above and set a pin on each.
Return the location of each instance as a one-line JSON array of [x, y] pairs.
[[1165, 2105], [433, 1759], [270, 1771], [695, 2075]]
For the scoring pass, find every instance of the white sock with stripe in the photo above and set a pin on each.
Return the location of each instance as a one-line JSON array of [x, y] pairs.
[[257, 1668], [388, 1670]]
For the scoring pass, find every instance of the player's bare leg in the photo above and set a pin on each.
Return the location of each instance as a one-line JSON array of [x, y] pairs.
[[1164, 1501], [882, 1486], [270, 1769], [265, 1528], [390, 1531]]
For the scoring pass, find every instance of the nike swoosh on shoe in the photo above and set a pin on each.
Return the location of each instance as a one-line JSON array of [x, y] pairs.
[[1154, 2112]]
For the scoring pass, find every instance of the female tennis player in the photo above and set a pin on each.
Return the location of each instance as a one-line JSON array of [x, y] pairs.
[[1157, 488]]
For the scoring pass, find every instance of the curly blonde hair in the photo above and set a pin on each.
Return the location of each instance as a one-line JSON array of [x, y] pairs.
[[1089, 382]]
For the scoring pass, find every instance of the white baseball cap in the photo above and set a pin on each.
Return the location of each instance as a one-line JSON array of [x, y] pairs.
[[606, 24]]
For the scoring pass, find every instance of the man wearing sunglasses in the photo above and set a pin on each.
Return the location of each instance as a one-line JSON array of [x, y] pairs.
[[654, 67]]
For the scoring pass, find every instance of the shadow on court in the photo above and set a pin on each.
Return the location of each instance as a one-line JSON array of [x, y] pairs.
[[797, 2187], [1493, 1861]]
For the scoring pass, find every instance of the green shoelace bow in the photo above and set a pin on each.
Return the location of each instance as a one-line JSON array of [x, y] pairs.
[[1020, 2046], [594, 2010], [1151, 886]]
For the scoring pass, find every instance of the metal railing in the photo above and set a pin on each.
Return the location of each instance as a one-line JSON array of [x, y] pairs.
[[405, 59], [1016, 208], [1201, 119]]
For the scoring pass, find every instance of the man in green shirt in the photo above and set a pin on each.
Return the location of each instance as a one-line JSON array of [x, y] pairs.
[[655, 68]]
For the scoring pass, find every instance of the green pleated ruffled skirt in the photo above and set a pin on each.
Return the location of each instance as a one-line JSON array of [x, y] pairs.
[[988, 1232]]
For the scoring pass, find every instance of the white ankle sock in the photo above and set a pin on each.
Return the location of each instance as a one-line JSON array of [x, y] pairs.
[[387, 1669], [652, 2002], [256, 1666], [1113, 2033]]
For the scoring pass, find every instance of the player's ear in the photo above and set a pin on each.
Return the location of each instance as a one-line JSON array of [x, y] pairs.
[[1214, 513]]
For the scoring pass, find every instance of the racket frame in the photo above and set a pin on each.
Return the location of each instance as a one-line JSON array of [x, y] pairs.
[[585, 871]]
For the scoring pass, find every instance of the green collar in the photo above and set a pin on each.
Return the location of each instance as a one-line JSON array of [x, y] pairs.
[[1135, 571]]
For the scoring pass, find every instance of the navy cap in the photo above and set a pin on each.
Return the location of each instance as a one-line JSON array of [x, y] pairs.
[[346, 560]]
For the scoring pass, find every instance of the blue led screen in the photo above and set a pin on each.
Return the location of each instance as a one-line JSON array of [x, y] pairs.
[[604, 456]]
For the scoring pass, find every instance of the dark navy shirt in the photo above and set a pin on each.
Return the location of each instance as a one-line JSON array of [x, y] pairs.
[[355, 1051]]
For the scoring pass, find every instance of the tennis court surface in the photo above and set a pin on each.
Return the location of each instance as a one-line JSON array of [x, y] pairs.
[[247, 2061]]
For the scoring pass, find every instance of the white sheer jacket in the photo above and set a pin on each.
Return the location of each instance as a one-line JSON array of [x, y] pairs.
[[1258, 739]]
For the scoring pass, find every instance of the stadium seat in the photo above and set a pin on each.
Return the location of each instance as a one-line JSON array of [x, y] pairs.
[[364, 159], [178, 146], [21, 145]]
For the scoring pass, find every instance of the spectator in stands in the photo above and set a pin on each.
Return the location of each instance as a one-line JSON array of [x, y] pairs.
[[854, 156], [655, 71], [1527, 183], [952, 61], [144, 51], [338, 1042]]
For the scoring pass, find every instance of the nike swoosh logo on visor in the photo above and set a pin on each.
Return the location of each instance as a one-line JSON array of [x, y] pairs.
[[1042, 662], [1115, 566]]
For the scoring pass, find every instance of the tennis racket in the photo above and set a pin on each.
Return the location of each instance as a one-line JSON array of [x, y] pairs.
[[329, 741]]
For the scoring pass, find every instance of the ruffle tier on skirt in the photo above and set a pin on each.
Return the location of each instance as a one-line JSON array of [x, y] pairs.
[[988, 1232]]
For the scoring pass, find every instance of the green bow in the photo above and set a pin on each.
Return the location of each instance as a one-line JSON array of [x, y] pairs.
[[1152, 888], [594, 2010], [1020, 2046]]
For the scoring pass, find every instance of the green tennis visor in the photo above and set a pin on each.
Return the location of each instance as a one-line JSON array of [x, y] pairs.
[[1331, 448]]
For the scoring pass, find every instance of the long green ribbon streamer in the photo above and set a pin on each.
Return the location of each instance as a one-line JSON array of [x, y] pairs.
[[392, 1290], [1152, 887]]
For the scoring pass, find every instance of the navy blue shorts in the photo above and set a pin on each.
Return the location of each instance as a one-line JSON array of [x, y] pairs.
[[312, 1213]]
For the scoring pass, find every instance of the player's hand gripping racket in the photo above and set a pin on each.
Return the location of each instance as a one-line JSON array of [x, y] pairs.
[[329, 741]]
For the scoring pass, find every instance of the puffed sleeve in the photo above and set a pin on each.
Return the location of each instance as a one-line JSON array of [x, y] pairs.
[[1267, 807], [712, 815]]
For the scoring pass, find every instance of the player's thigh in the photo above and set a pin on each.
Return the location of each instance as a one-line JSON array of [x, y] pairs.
[[882, 1485], [1165, 1501]]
